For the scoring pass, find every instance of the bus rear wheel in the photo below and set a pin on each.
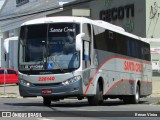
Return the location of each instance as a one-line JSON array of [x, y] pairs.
[[46, 101], [96, 99], [134, 99]]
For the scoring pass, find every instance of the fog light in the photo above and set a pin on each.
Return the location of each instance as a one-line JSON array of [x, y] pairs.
[[25, 83], [28, 84]]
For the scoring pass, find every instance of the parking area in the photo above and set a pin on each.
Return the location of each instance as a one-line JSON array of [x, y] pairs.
[[9, 90], [156, 87]]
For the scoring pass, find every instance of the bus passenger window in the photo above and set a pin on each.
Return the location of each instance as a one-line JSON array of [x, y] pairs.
[[128, 48], [111, 41], [111, 35]]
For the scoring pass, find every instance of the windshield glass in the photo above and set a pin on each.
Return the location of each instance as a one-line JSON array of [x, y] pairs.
[[48, 47]]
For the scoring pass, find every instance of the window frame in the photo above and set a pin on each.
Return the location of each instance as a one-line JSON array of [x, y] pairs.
[[21, 2], [11, 72]]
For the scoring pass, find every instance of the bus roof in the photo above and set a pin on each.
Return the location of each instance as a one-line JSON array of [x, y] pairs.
[[56, 19], [152, 40], [82, 20]]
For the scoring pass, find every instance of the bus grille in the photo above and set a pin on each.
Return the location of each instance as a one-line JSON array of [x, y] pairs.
[[48, 84]]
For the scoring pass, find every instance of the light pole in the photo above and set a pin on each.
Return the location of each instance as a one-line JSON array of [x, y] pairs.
[[4, 82]]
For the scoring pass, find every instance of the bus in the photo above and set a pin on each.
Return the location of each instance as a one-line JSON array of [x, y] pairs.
[[11, 53], [76, 57]]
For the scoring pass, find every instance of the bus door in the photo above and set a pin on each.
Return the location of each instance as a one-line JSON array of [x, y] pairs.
[[86, 52]]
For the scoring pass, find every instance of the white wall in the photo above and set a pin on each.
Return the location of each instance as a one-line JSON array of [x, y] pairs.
[[2, 61], [153, 18]]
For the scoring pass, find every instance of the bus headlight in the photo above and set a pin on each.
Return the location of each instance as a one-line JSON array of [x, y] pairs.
[[71, 80], [25, 83]]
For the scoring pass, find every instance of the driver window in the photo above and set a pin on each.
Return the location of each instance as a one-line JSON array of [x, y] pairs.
[[86, 45], [87, 31]]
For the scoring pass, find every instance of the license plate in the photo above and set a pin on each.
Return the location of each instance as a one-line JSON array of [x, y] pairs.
[[46, 91]]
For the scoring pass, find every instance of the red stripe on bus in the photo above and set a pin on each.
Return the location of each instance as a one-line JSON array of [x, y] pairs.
[[118, 83], [147, 81], [126, 80], [115, 57], [95, 75]]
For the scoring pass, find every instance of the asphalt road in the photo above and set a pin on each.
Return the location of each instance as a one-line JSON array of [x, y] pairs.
[[73, 108]]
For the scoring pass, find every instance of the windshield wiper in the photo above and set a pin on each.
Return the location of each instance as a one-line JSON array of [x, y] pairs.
[[53, 59], [45, 55]]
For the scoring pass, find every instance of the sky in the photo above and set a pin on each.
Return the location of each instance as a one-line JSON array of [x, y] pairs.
[[1, 2]]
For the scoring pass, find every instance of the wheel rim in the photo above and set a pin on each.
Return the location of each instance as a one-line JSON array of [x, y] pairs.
[[137, 94]]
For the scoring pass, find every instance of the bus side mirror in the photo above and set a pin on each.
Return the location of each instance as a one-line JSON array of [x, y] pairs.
[[79, 41]]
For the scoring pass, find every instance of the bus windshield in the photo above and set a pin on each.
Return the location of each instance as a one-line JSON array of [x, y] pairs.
[[48, 47]]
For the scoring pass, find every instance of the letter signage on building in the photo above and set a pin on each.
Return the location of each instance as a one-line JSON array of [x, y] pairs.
[[117, 13]]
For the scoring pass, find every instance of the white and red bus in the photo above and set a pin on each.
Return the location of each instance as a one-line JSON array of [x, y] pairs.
[[62, 57]]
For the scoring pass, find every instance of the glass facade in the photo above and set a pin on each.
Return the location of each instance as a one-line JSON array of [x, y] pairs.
[[21, 2]]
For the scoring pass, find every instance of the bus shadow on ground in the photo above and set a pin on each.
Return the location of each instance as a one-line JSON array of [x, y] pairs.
[[74, 104], [82, 104]]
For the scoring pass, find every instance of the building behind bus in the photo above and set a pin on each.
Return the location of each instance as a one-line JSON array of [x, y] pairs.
[[139, 17]]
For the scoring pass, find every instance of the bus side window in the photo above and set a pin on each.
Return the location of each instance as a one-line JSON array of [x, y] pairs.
[[111, 41], [131, 47], [111, 36], [128, 48], [121, 44], [136, 48], [140, 50], [100, 40], [146, 51]]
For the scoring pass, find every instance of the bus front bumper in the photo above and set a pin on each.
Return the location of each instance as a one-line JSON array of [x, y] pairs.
[[74, 89]]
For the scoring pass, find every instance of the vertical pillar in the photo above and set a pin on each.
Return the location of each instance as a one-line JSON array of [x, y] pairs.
[[11, 33], [5, 35], [16, 31], [1, 43], [4, 55]]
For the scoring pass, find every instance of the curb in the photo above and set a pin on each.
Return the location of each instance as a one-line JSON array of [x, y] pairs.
[[14, 96], [9, 96]]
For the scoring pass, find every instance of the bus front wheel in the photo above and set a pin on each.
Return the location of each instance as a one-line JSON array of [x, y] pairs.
[[46, 101], [98, 98]]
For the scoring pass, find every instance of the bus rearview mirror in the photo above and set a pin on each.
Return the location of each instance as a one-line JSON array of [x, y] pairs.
[[79, 41]]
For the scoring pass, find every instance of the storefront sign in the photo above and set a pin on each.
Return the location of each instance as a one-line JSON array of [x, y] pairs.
[[117, 13], [155, 50]]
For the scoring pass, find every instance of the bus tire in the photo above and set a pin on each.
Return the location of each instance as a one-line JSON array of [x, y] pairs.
[[136, 98], [96, 99], [46, 101], [126, 100]]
